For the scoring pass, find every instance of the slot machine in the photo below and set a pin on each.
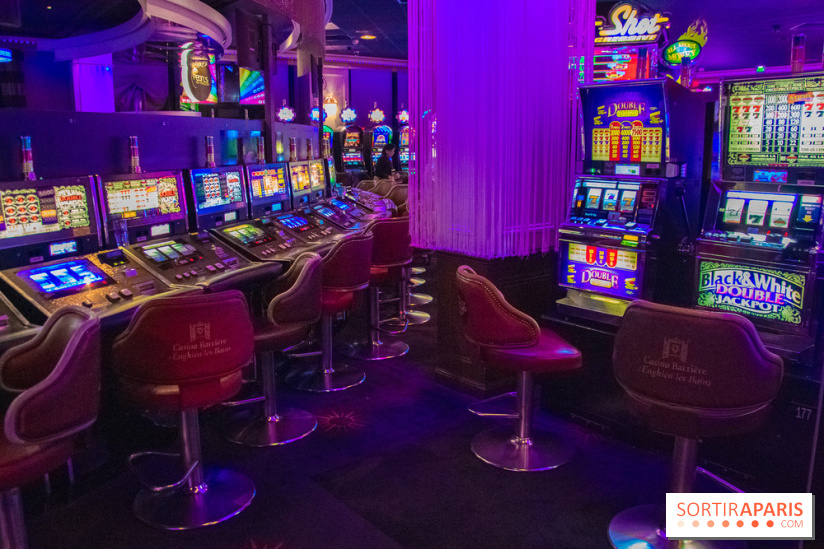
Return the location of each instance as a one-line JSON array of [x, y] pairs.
[[149, 212], [257, 238], [321, 206], [14, 328], [381, 135], [759, 251], [49, 219], [403, 147], [353, 155], [636, 202]]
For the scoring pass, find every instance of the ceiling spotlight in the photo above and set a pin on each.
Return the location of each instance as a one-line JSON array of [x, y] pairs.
[[368, 36]]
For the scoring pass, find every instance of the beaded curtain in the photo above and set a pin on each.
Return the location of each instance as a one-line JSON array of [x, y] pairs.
[[493, 116]]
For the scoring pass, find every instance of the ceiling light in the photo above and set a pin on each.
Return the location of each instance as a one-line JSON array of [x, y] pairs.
[[367, 36], [330, 106]]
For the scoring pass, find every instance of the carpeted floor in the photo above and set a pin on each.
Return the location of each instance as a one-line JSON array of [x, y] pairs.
[[388, 467]]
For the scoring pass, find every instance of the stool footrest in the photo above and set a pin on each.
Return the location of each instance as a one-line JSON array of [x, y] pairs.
[[503, 406], [151, 483]]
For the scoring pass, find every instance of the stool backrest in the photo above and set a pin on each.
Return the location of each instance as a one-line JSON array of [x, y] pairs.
[[398, 194], [488, 319], [346, 266], [58, 375], [393, 244], [692, 358], [189, 339], [383, 187], [367, 184], [245, 279], [299, 299]]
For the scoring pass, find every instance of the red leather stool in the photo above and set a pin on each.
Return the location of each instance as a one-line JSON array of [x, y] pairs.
[[181, 354], [391, 251], [289, 318], [345, 271], [511, 339], [729, 380], [56, 376]]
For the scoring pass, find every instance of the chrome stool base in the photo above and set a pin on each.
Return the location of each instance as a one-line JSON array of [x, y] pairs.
[[418, 270], [642, 526], [415, 281], [287, 426], [419, 300], [381, 350], [415, 318], [223, 495], [501, 447], [325, 381]]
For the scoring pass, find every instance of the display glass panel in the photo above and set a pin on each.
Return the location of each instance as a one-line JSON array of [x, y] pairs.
[[351, 139], [293, 222], [317, 175], [142, 198], [246, 233], [625, 124], [43, 209], [300, 178], [251, 87], [776, 122], [333, 176], [340, 204], [168, 250], [217, 189], [611, 271], [616, 63], [67, 278], [602, 198], [753, 212], [268, 181]]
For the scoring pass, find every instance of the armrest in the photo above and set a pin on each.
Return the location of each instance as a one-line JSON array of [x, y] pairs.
[[300, 303]]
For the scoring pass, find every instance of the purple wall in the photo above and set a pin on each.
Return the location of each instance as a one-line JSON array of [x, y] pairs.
[[367, 87], [48, 84], [403, 90]]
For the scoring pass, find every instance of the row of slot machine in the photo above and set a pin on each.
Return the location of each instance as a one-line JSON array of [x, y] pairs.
[[634, 230], [110, 242], [357, 150]]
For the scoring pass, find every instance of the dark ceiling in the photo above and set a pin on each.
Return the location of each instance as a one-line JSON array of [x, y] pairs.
[[742, 33]]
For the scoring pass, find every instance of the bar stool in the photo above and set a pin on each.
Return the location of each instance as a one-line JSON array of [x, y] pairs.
[[345, 271], [731, 395], [513, 340], [367, 184], [56, 376], [182, 354], [391, 251], [289, 318], [398, 194], [383, 187]]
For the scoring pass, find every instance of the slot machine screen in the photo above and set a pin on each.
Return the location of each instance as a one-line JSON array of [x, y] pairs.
[[293, 222], [615, 63], [66, 278], [245, 233], [761, 213], [142, 197], [268, 181], [625, 124], [333, 177], [300, 178], [404, 140], [776, 122], [40, 207], [317, 176], [351, 139], [215, 190]]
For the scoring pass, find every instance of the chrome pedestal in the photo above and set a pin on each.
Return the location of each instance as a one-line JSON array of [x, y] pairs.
[[375, 348], [329, 377], [523, 450], [12, 525], [204, 497], [273, 427]]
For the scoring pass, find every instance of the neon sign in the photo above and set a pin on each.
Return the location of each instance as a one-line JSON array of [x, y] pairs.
[[287, 114], [376, 116], [769, 294], [688, 46], [315, 114], [348, 115], [5, 56], [626, 26]]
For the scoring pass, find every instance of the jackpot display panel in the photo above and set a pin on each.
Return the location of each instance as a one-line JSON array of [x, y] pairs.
[[268, 186], [773, 129], [218, 196], [47, 219]]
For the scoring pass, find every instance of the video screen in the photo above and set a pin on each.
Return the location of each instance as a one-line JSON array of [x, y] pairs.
[[770, 176], [325, 211], [625, 124], [333, 177], [142, 198], [761, 212], [245, 233], [616, 63], [166, 251], [776, 122], [404, 138], [628, 201], [351, 139], [251, 87], [317, 176], [300, 178], [215, 189], [292, 222], [340, 204], [66, 278], [267, 181], [29, 211]]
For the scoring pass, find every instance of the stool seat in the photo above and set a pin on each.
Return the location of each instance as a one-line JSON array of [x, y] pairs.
[[378, 275], [269, 337], [334, 302], [172, 397], [23, 463], [550, 354]]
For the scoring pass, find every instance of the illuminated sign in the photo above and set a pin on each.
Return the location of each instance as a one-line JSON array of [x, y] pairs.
[[403, 116], [315, 114], [196, 77], [769, 294], [5, 56], [688, 46], [612, 271], [286, 114], [376, 116], [348, 115], [624, 25]]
